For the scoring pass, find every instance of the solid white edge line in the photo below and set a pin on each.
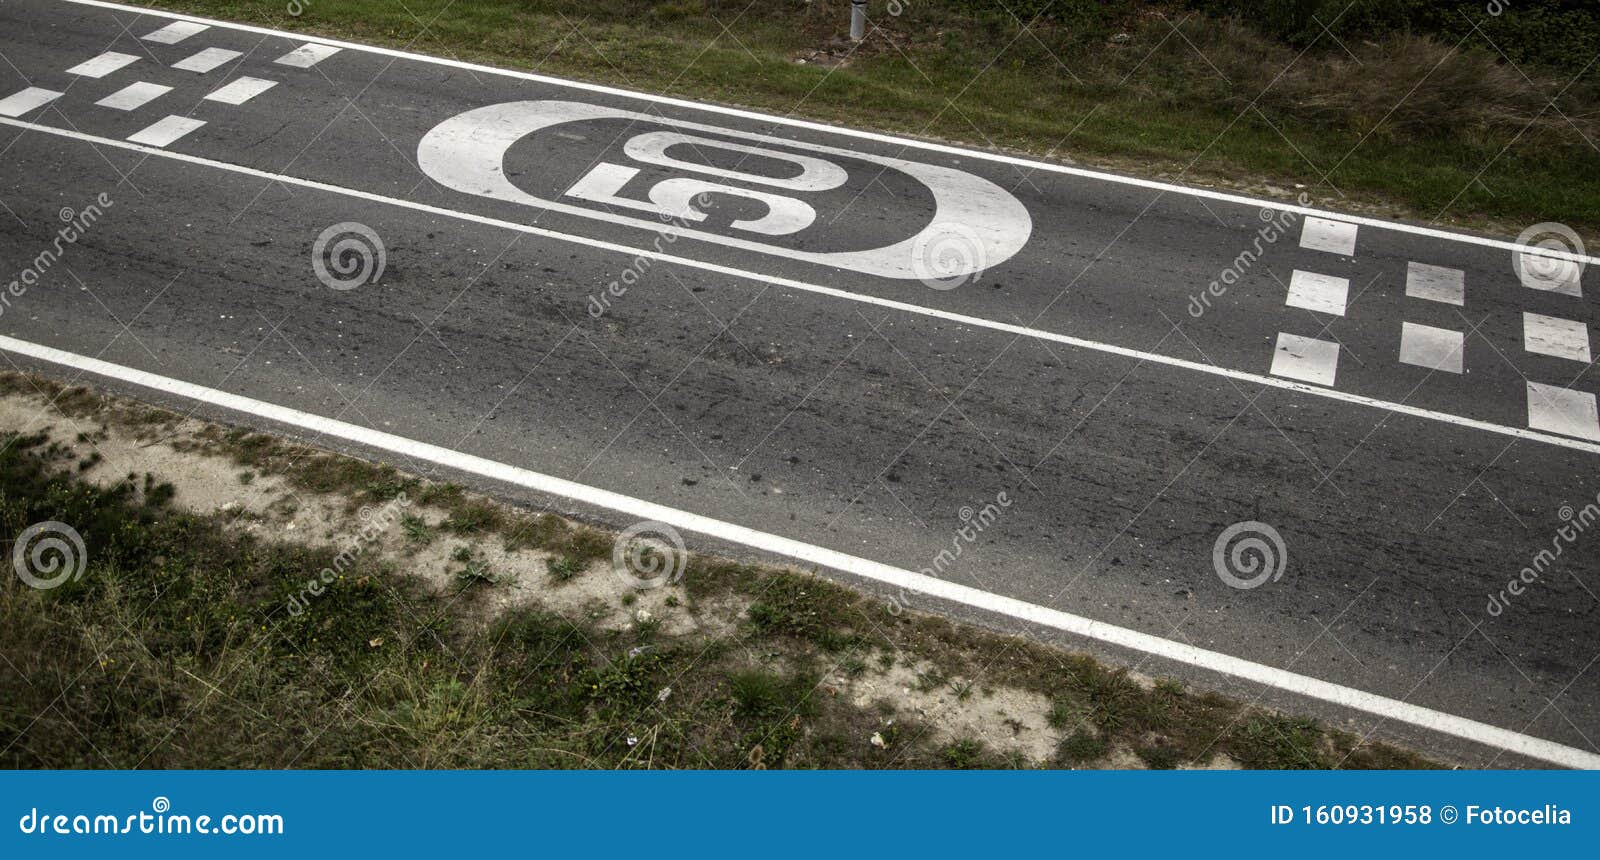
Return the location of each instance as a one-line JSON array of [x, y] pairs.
[[1381, 706], [789, 283], [1362, 220]]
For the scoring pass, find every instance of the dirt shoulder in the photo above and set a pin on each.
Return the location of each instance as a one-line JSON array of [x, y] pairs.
[[252, 602]]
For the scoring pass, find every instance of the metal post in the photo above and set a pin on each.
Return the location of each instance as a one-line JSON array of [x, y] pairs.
[[858, 20]]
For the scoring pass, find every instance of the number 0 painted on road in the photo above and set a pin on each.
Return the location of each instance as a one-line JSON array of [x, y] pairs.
[[975, 223]]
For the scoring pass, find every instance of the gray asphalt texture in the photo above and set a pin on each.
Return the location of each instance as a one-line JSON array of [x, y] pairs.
[[859, 428]]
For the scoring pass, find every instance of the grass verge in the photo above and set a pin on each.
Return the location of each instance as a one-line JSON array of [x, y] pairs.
[[454, 631], [1432, 111]]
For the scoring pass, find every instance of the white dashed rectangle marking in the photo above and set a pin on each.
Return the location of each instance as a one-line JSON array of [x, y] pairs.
[[134, 95], [1561, 410], [102, 65], [307, 55], [241, 90], [1436, 283], [1323, 234], [1306, 359], [1323, 293], [1550, 275], [29, 99], [175, 32], [1433, 348], [207, 60], [165, 131], [1555, 336]]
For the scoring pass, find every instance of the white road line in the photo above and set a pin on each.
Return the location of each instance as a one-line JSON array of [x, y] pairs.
[[1322, 293], [998, 158], [241, 90], [1305, 358], [1561, 338], [135, 95], [163, 132], [1436, 283], [1335, 237], [789, 283], [1430, 347], [175, 32], [307, 55], [1382, 706], [102, 65], [206, 60], [22, 101]]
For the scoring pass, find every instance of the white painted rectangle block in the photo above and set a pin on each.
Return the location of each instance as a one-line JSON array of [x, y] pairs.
[[1555, 336], [1550, 274], [102, 65], [1561, 410], [240, 90], [1323, 293], [1436, 283], [32, 98], [1306, 359], [165, 131], [135, 95], [1433, 348], [307, 55], [207, 60], [1323, 234], [175, 32]]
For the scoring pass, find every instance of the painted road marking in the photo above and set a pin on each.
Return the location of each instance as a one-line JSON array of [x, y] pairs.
[[635, 508], [1306, 359], [102, 65], [32, 98], [206, 60], [631, 251], [1564, 411], [1552, 277], [334, 45], [175, 32], [165, 131], [1555, 336], [307, 55], [1322, 293], [133, 96], [975, 224], [241, 90], [1325, 234], [1436, 283], [1433, 348]]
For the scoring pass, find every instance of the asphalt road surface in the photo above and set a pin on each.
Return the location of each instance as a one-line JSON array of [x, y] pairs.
[[1050, 386]]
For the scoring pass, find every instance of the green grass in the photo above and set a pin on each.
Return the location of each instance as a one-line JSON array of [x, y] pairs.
[[175, 649], [1404, 109]]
